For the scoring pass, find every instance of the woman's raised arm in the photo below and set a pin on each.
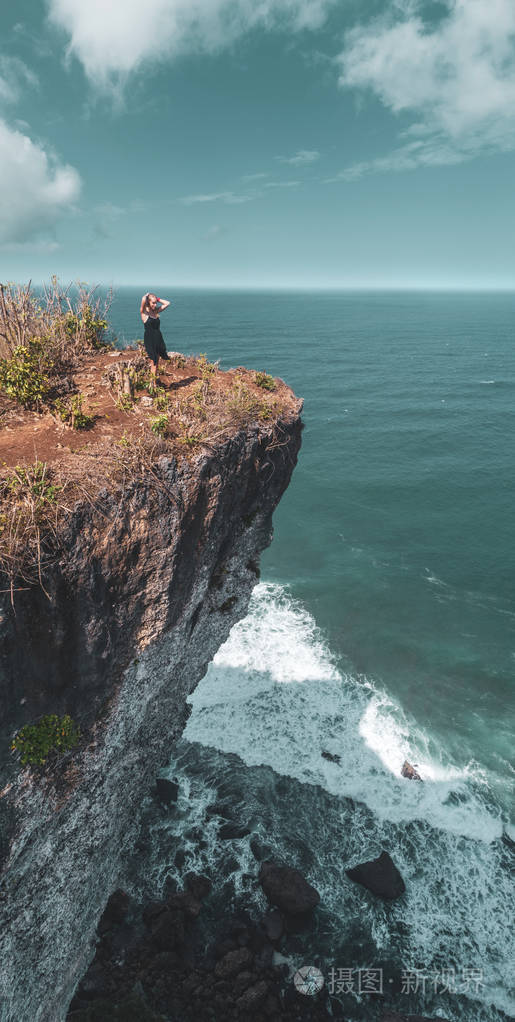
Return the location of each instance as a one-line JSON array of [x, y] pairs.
[[143, 306], [164, 303]]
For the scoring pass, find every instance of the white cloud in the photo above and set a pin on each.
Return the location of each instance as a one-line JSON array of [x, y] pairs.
[[228, 198], [301, 159], [281, 184], [14, 76], [35, 188], [254, 177], [112, 39], [457, 77]]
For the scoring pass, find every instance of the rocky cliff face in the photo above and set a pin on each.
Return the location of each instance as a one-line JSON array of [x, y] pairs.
[[147, 588]]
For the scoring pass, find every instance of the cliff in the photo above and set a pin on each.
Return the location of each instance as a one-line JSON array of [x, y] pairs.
[[146, 574]]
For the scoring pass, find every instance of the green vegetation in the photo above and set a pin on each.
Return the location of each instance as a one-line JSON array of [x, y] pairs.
[[125, 403], [162, 401], [24, 375], [71, 412], [207, 369], [244, 405], [85, 326], [265, 381], [31, 484], [43, 337], [159, 426], [52, 734]]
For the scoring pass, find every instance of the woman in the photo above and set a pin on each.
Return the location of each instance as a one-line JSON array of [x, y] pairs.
[[153, 339]]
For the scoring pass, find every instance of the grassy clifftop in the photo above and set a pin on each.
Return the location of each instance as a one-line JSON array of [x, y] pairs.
[[77, 415]]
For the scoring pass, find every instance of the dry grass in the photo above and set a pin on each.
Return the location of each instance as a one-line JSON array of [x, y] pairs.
[[31, 503], [199, 409], [211, 413], [43, 338]]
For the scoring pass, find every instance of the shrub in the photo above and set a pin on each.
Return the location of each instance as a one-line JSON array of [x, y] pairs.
[[28, 524], [86, 326], [24, 377], [67, 322], [125, 403], [159, 426], [190, 439], [178, 361], [31, 484], [199, 398], [71, 412], [265, 381], [244, 405], [162, 400], [207, 369], [51, 734]]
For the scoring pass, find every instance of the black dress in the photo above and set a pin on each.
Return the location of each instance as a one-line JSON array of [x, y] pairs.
[[153, 340]]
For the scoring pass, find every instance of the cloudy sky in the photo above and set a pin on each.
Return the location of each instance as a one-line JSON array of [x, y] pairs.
[[259, 142]]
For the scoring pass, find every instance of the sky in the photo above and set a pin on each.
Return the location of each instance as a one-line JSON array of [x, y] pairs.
[[258, 143]]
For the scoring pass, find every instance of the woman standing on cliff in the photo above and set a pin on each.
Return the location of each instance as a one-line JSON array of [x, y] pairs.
[[153, 339]]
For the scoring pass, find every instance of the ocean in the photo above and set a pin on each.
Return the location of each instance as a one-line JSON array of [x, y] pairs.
[[383, 629]]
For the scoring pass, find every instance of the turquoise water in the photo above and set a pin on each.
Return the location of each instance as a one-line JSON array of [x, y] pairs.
[[384, 627]]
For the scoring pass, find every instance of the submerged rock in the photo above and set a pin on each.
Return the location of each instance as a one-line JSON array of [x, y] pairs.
[[380, 876], [166, 791], [332, 757], [288, 889], [273, 925], [198, 885], [229, 831], [233, 962], [409, 771]]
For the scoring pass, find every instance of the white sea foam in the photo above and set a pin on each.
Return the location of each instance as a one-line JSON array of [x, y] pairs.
[[274, 695]]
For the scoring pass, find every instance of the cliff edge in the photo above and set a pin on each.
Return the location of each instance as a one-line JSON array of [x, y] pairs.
[[147, 558]]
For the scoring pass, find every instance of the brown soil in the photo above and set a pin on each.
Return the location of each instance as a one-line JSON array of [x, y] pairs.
[[26, 436]]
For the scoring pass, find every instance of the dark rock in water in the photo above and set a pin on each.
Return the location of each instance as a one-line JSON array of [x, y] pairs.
[[409, 771], [130, 1009], [198, 885], [152, 911], [168, 930], [166, 791], [232, 830], [273, 925], [184, 901], [253, 996], [259, 850], [233, 962], [288, 889], [115, 911], [380, 876], [218, 809], [96, 982], [395, 1017], [331, 756]]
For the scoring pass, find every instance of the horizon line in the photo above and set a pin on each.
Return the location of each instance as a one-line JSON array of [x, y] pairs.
[[316, 288]]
